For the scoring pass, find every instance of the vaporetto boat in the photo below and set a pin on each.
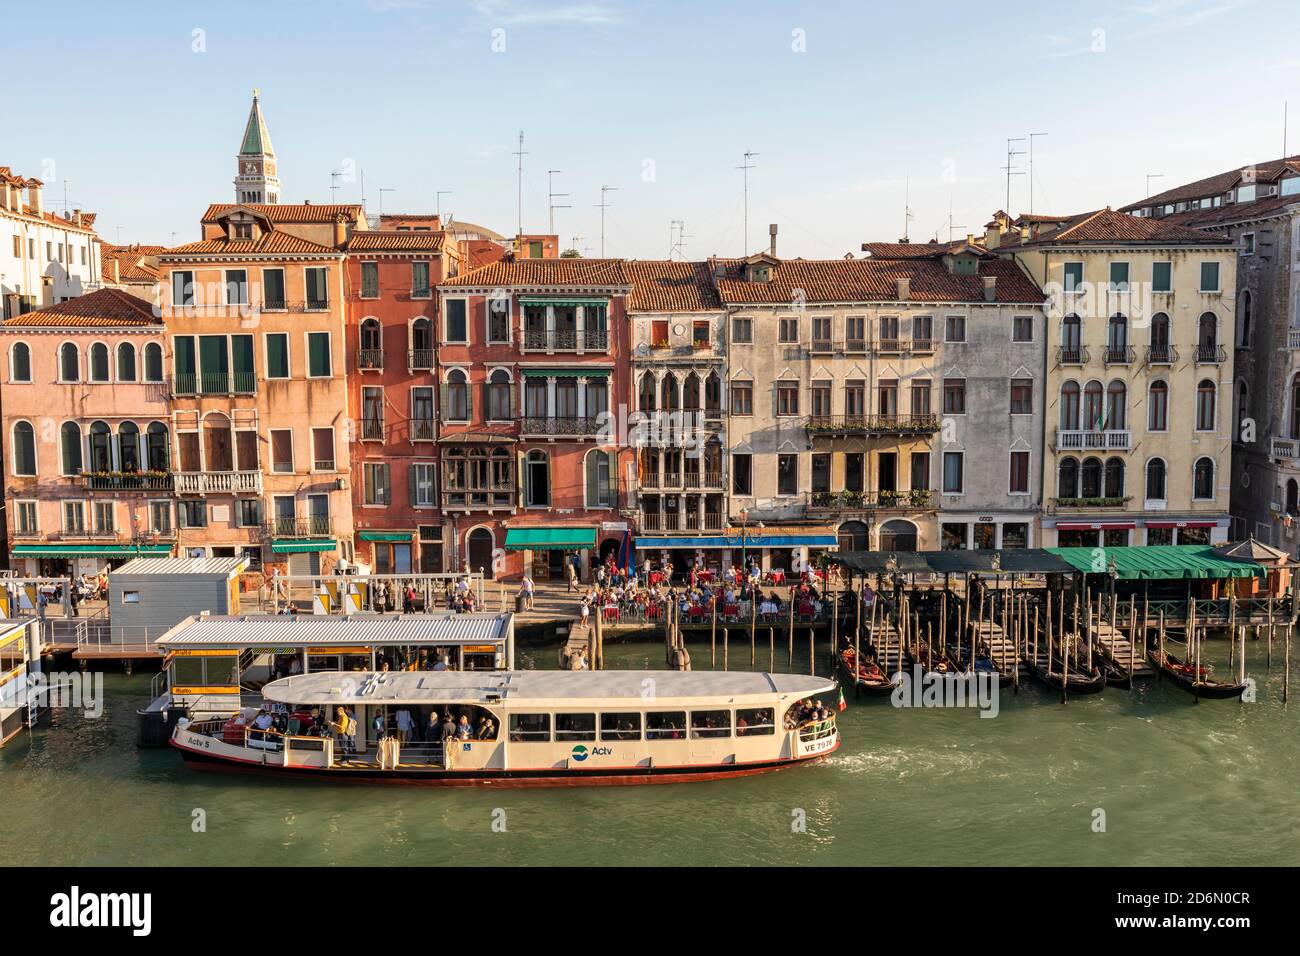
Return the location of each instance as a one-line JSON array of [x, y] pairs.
[[523, 728]]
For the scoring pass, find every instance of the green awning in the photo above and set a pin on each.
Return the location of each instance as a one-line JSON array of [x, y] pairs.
[[299, 545], [384, 536], [1163, 562], [593, 372], [550, 539], [87, 550], [571, 300]]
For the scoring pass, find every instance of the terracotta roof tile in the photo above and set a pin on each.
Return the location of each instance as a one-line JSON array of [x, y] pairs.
[[1109, 226], [270, 243], [908, 250], [132, 262], [104, 308], [372, 240], [668, 286], [288, 212], [1218, 183], [543, 272]]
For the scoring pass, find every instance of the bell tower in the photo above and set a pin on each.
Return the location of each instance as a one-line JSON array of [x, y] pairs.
[[255, 175]]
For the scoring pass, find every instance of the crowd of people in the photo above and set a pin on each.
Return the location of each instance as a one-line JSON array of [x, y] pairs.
[[406, 725], [806, 711]]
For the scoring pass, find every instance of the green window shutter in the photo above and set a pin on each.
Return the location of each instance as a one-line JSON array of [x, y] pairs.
[[442, 401], [242, 348], [183, 346], [469, 402], [277, 355], [410, 486], [319, 353]]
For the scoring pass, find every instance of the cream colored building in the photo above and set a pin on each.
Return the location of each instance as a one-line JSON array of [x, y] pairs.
[[1141, 323]]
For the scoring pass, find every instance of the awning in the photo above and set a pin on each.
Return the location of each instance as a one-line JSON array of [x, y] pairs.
[[595, 371], [1096, 525], [1164, 562], [1182, 524], [87, 550], [299, 545], [735, 541], [549, 539], [384, 535], [957, 561], [570, 300]]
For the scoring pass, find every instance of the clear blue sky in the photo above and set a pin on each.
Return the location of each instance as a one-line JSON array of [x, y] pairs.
[[656, 97]]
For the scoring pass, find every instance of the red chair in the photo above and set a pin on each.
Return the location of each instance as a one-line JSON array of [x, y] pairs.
[[778, 577], [806, 611], [697, 612], [612, 614], [731, 612], [653, 612]]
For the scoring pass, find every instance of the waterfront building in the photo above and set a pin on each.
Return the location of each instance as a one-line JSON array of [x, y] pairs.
[[678, 366], [87, 434], [531, 368], [1256, 209], [838, 383], [44, 258], [1139, 376], [392, 314]]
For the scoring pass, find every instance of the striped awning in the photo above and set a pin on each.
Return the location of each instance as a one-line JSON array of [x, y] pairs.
[[300, 545], [550, 539], [595, 371]]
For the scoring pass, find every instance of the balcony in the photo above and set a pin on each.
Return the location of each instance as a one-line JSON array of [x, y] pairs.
[[856, 346], [218, 482], [561, 427], [1293, 338], [1080, 440], [214, 383], [497, 498], [419, 359], [422, 429], [1072, 355], [1161, 355], [922, 345], [569, 340], [889, 346], [126, 481], [822, 347], [1285, 449], [1102, 502], [841, 425], [314, 526], [681, 521], [702, 479], [370, 360], [597, 340], [372, 429], [835, 502], [1210, 355], [1119, 355]]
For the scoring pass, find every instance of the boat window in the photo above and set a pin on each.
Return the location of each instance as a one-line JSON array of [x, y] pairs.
[[187, 672], [575, 726], [710, 723], [665, 725], [216, 671], [620, 726], [530, 727], [755, 722]]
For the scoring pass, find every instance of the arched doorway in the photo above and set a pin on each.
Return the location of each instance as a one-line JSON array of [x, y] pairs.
[[479, 546], [898, 535], [854, 536], [607, 547]]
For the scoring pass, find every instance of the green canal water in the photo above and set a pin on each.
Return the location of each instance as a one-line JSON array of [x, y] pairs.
[[1179, 783]]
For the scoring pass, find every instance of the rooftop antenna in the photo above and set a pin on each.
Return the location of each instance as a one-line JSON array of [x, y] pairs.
[[552, 195], [678, 245], [382, 190], [334, 185], [1284, 105], [1151, 176], [65, 197], [1031, 170], [1010, 168], [577, 245], [437, 199], [521, 153], [602, 206], [907, 207], [951, 227], [747, 166]]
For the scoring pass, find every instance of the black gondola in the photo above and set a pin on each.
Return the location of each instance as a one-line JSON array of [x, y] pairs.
[[867, 678], [1182, 675], [1075, 682]]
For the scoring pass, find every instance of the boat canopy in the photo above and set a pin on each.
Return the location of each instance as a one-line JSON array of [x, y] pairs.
[[311, 630], [1164, 562], [632, 689]]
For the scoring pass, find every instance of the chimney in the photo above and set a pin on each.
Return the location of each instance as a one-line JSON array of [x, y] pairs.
[[340, 229], [117, 270], [1024, 234], [904, 285], [771, 231], [992, 235], [34, 196], [990, 288]]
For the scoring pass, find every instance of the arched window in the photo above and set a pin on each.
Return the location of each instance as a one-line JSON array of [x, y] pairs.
[[421, 343], [1292, 497], [668, 394], [1067, 478], [24, 456], [1070, 406], [99, 370], [456, 404], [646, 402], [101, 447], [128, 446], [1117, 339], [372, 344], [1091, 478], [20, 363], [691, 393], [1160, 337], [1116, 406], [1203, 479], [1243, 409], [1243, 321], [158, 448], [600, 471], [69, 363], [153, 362], [898, 535], [713, 395], [854, 536], [1158, 406], [500, 403], [1156, 475], [125, 362], [1205, 406], [1071, 338], [1114, 478], [1207, 337], [537, 480], [1092, 406], [70, 448]]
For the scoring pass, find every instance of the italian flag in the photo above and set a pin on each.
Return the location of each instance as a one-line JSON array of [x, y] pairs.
[[842, 706]]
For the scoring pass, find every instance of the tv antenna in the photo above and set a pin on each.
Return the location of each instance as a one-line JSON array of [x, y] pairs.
[[437, 199], [678, 245], [602, 206], [907, 207], [747, 166], [1010, 167], [382, 190], [1031, 170], [552, 195], [521, 153]]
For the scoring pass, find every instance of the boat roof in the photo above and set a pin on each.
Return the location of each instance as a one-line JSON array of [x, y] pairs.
[[211, 631], [593, 688]]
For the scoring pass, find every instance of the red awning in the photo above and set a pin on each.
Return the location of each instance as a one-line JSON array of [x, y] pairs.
[[1119, 526], [1182, 524], [1074, 526], [1095, 525]]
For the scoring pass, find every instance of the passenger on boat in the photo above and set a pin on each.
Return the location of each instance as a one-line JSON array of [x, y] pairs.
[[463, 731], [487, 729], [263, 720], [442, 663], [344, 727], [448, 727]]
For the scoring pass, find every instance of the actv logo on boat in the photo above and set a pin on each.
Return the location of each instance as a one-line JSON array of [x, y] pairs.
[[75, 909], [581, 753], [934, 689]]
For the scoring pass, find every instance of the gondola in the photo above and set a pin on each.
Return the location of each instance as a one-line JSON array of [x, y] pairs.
[[1076, 682], [937, 662], [867, 678], [1183, 675], [986, 665]]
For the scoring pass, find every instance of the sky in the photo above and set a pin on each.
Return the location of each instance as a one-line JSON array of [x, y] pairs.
[[855, 111]]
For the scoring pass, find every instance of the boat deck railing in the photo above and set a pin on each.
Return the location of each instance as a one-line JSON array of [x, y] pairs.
[[816, 729]]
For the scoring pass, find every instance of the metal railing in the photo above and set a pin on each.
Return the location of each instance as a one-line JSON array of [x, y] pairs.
[[565, 425], [422, 429], [312, 526], [1108, 440], [1210, 354], [126, 481], [1072, 355], [837, 501], [1161, 355], [213, 383], [370, 359], [1119, 355], [419, 359], [898, 424], [372, 429]]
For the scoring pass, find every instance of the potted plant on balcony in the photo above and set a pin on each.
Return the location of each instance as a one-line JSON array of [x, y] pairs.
[[920, 497]]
